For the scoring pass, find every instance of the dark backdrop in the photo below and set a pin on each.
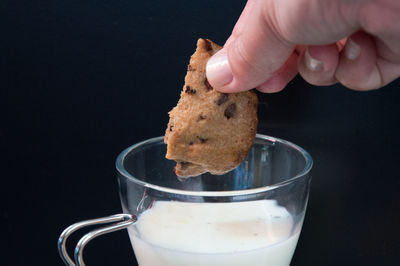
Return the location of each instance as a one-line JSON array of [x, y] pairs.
[[84, 79]]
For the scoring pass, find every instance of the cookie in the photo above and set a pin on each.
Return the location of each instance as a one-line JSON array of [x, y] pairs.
[[209, 131]]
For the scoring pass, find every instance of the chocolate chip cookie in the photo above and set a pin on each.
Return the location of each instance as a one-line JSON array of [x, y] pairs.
[[209, 131]]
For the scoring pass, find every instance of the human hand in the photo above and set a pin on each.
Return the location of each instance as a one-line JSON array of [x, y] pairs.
[[354, 42]]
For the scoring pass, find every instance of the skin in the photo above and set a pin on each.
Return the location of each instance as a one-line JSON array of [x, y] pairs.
[[353, 42]]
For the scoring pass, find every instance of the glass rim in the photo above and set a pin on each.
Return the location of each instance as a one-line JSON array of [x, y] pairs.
[[122, 171]]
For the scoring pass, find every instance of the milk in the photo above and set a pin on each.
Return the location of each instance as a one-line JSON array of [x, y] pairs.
[[236, 234]]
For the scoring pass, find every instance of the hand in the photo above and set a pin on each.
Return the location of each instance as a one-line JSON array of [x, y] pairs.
[[354, 42]]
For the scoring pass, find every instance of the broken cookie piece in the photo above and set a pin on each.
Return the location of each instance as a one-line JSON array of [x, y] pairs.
[[209, 131]]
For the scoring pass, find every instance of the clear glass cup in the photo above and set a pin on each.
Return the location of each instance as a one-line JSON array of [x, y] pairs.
[[250, 216]]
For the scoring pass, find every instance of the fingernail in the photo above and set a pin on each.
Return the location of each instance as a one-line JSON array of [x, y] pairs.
[[312, 63], [218, 70], [352, 50]]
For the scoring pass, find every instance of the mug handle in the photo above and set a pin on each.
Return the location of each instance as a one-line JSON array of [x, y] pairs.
[[118, 222]]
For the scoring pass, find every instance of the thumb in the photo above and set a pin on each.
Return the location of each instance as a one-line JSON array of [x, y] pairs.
[[266, 35], [252, 54]]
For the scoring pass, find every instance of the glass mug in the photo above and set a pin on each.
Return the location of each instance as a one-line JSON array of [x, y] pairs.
[[251, 215]]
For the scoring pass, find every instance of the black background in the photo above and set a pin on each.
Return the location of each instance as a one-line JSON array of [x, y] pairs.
[[82, 80]]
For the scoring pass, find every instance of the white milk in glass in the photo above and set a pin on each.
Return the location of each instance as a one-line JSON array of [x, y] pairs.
[[255, 233]]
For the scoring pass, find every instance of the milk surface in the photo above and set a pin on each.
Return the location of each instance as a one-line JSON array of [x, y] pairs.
[[257, 233]]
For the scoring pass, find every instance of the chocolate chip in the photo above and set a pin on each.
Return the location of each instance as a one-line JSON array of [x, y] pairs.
[[191, 143], [223, 98], [230, 111], [184, 165], [208, 86], [208, 45], [190, 90], [201, 117], [190, 68], [170, 128], [202, 140]]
